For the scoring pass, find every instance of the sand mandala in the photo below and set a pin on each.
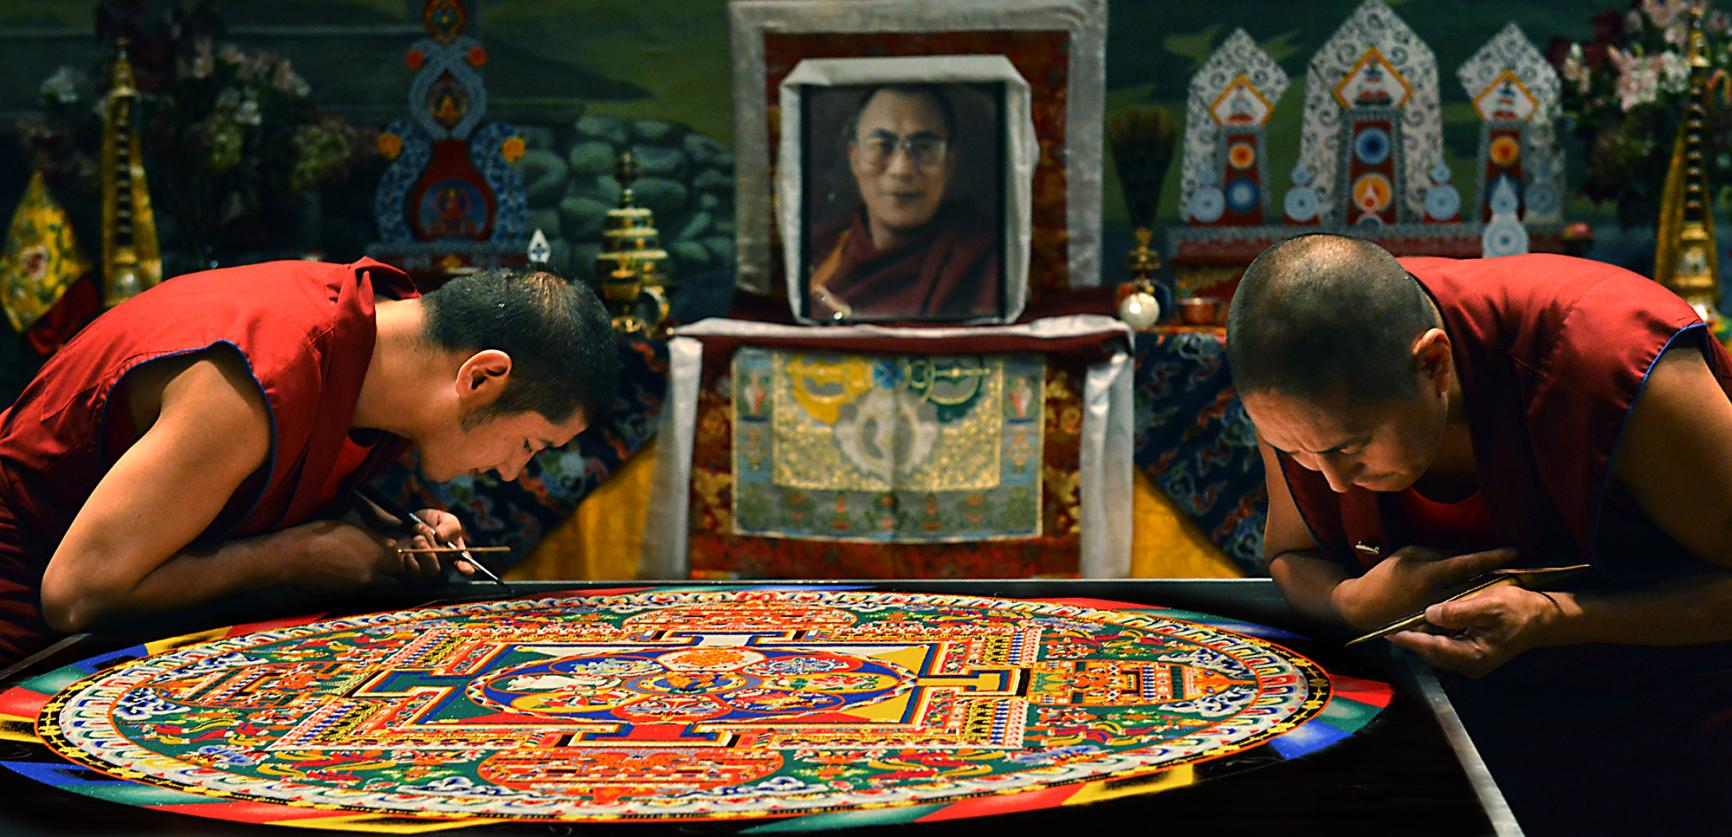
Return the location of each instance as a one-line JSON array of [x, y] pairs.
[[827, 704]]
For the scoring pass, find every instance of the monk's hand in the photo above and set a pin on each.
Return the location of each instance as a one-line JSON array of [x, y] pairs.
[[1407, 581], [448, 530], [1477, 634], [335, 555]]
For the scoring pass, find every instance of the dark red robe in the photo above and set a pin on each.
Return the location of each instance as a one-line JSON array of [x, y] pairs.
[[306, 332], [1552, 351], [950, 272]]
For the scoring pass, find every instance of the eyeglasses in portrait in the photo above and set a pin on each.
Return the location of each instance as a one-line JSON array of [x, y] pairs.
[[903, 202]]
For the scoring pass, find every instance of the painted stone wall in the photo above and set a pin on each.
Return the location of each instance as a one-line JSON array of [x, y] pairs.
[[684, 177]]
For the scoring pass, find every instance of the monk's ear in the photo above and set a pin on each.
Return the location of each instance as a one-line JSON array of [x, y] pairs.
[[481, 379], [1433, 360]]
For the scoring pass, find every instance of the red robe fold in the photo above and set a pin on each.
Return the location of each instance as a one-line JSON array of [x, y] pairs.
[[306, 332], [952, 271], [1551, 352]]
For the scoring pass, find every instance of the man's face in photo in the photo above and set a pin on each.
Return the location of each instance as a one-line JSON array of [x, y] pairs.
[[902, 161]]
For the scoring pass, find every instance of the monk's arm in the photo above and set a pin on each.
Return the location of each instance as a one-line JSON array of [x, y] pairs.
[[1400, 584], [1675, 460], [1304, 576], [127, 550]]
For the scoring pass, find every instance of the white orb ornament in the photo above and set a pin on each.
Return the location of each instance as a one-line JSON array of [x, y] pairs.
[[1140, 310]]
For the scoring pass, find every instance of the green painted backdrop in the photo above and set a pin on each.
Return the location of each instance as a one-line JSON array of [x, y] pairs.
[[551, 60]]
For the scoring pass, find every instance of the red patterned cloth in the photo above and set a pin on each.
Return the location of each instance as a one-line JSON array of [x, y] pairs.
[[716, 552]]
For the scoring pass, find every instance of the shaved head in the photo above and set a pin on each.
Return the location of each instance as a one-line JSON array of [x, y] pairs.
[[1323, 317]]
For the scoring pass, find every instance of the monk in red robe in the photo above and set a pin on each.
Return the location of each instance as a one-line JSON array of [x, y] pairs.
[[1423, 421], [195, 441], [906, 252]]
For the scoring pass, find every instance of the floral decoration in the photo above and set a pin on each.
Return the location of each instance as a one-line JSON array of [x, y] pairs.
[[230, 135], [1623, 96]]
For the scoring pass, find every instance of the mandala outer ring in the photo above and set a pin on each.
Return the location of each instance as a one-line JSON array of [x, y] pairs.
[[1116, 767]]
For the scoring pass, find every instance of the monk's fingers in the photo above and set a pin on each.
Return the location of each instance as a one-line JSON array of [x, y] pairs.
[[420, 565], [446, 527], [1458, 568], [1466, 654], [1482, 612]]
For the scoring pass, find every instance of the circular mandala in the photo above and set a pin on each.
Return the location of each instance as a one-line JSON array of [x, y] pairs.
[[682, 704], [1440, 172], [1241, 155], [1300, 204], [1372, 192], [1505, 151], [1207, 204], [1503, 238], [1442, 203], [1543, 198], [1371, 146], [1241, 194]]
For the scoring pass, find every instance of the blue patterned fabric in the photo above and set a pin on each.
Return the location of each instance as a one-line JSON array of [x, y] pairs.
[[1196, 443], [519, 513]]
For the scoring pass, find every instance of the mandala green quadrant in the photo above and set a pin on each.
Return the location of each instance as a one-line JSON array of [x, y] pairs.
[[902, 448], [694, 704]]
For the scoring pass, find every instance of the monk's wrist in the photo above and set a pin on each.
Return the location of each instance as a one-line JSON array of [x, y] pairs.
[[1343, 599], [1557, 620]]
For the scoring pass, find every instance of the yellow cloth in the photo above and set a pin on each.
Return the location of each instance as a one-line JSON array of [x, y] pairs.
[[1166, 544], [605, 537], [40, 259]]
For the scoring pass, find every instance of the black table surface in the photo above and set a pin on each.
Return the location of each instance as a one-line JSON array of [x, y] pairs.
[[1412, 770]]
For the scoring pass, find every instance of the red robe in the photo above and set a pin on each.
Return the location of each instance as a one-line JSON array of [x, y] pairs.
[[1551, 352], [306, 331], [950, 272]]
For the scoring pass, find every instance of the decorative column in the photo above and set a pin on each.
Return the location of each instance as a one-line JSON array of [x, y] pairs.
[[1685, 257], [131, 257], [451, 201]]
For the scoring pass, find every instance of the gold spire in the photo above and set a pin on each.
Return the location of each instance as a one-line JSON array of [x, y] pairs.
[[632, 265], [131, 258], [1685, 257]]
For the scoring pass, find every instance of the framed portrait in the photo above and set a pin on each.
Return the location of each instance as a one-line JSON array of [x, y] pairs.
[[1057, 46], [904, 189]]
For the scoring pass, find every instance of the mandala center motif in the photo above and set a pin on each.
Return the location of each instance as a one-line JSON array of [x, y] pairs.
[[690, 684]]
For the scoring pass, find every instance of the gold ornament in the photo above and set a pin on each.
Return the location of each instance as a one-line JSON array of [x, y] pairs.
[[1140, 309], [632, 266], [1685, 257], [131, 257]]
